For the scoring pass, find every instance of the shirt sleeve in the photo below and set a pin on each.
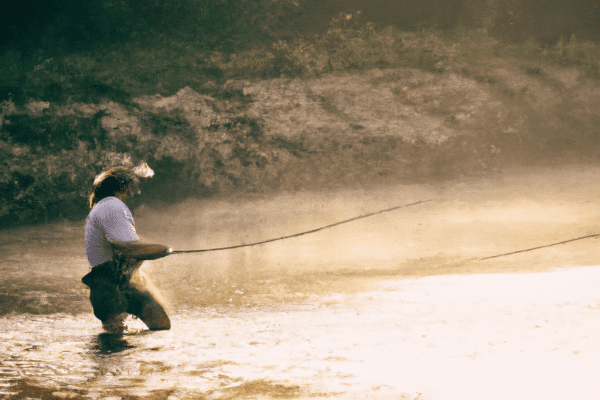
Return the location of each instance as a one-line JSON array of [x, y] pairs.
[[118, 223]]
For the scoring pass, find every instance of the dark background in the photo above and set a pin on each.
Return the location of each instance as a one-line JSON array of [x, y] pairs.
[[66, 25], [70, 52]]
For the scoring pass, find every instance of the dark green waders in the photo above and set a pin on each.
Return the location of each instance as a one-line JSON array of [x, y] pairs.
[[112, 294]]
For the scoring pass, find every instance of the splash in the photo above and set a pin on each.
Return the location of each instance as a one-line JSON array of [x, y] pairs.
[[142, 280], [143, 170]]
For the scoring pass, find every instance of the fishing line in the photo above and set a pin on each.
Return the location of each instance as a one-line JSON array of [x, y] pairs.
[[540, 247], [302, 233]]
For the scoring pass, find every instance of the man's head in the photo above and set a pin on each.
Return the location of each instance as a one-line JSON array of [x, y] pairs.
[[120, 182]]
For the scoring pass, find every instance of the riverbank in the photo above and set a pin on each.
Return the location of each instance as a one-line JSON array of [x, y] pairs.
[[417, 108]]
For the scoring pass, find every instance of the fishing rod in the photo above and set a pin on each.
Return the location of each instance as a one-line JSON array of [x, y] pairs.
[[539, 247], [302, 233], [366, 216]]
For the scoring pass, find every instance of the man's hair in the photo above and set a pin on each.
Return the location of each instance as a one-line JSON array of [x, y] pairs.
[[112, 182]]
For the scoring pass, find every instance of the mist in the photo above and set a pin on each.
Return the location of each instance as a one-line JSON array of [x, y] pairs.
[[461, 223], [268, 119]]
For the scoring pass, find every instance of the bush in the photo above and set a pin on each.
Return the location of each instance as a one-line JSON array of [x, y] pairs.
[[69, 117]]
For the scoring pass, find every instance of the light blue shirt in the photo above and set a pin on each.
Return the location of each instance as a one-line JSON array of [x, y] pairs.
[[110, 221]]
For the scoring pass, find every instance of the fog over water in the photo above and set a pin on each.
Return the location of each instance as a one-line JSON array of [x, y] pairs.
[[396, 305], [268, 119]]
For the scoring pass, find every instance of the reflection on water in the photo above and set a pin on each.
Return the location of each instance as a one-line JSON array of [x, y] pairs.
[[444, 337], [111, 343], [216, 353]]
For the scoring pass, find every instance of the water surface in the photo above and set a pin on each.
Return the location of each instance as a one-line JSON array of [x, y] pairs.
[[395, 306]]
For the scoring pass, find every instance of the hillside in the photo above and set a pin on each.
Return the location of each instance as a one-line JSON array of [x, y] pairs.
[[422, 108]]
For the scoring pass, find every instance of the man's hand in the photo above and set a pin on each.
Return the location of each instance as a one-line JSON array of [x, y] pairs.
[[142, 251]]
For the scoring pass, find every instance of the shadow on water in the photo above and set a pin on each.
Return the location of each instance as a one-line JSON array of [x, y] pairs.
[[107, 343], [29, 390]]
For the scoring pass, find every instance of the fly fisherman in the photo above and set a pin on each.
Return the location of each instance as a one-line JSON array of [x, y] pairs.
[[115, 252]]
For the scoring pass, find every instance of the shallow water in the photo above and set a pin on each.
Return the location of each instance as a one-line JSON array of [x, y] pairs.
[[391, 306]]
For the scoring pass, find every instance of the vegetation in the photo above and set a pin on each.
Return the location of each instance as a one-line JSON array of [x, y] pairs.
[[189, 103]]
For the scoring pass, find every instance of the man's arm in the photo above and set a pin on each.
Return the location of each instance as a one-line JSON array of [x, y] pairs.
[[142, 251]]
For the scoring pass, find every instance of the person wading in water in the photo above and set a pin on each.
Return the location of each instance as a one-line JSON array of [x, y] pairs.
[[115, 253]]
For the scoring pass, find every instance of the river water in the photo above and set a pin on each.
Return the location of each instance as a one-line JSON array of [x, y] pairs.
[[394, 306]]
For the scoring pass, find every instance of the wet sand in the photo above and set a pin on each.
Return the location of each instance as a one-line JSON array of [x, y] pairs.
[[396, 306]]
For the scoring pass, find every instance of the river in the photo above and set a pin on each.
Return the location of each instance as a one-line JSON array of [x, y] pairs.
[[394, 306]]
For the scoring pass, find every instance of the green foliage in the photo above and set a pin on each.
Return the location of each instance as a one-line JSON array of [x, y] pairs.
[[86, 117], [61, 27], [53, 134], [576, 52], [172, 124], [10, 68], [36, 188], [121, 72], [340, 49]]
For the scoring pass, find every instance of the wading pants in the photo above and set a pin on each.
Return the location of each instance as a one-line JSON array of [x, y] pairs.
[[109, 298]]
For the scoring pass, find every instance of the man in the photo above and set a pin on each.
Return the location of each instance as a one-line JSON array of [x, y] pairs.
[[115, 253]]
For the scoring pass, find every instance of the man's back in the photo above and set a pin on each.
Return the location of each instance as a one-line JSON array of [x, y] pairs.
[[108, 222]]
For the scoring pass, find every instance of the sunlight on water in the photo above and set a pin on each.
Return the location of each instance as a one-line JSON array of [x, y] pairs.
[[391, 307], [436, 335]]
